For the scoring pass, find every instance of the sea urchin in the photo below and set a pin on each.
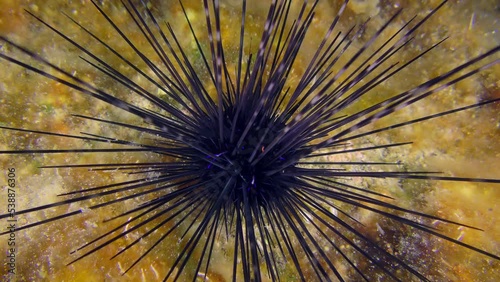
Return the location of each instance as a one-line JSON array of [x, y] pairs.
[[245, 150]]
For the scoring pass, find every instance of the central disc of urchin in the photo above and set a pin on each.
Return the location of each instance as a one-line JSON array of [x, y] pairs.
[[239, 165]]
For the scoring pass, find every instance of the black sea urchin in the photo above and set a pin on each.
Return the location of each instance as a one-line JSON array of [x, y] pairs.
[[227, 154]]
